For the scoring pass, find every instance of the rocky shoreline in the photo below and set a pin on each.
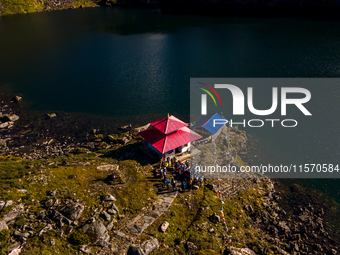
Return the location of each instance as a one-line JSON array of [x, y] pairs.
[[51, 135]]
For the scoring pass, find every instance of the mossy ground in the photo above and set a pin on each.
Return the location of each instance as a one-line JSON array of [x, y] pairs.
[[86, 183], [193, 225]]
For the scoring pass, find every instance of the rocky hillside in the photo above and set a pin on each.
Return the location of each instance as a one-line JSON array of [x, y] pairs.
[[101, 196], [219, 7], [26, 6]]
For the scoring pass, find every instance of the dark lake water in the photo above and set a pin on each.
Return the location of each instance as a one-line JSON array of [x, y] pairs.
[[122, 64]]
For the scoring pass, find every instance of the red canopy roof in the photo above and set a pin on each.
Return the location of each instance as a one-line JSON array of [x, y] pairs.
[[168, 124], [164, 143]]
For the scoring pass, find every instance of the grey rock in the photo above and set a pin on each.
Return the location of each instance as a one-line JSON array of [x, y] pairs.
[[52, 115], [111, 211], [72, 210], [96, 232], [15, 212], [145, 248], [214, 218], [3, 225], [2, 205], [8, 203], [16, 99], [120, 234], [211, 230], [109, 197], [241, 251], [47, 228], [106, 216], [135, 249], [22, 190], [110, 226], [164, 226], [4, 125], [85, 249], [11, 117], [113, 206]]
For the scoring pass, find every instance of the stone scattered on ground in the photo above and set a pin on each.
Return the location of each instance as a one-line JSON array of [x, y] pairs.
[[52, 115], [96, 231], [84, 248], [109, 197], [164, 226], [145, 248], [15, 212]]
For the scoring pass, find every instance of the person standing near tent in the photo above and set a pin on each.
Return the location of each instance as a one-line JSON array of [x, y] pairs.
[[164, 172], [161, 171]]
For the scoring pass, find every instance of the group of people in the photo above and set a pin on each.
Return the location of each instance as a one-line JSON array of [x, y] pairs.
[[184, 174]]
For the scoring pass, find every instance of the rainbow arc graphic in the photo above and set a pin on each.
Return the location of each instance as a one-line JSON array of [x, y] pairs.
[[209, 93]]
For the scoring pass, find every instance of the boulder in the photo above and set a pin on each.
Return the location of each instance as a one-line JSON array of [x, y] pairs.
[[214, 218], [135, 249], [96, 232], [47, 228], [145, 248], [111, 211], [164, 226], [8, 203], [52, 115], [106, 216], [113, 206], [9, 117], [110, 226], [16, 251], [4, 125], [72, 210], [2, 205], [85, 249], [150, 245], [3, 225], [16, 99], [15, 212], [109, 197]]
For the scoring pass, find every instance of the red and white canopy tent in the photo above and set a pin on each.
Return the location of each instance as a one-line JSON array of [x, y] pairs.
[[168, 134]]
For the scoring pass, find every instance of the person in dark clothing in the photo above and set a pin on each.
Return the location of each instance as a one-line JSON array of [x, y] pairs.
[[173, 184]]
